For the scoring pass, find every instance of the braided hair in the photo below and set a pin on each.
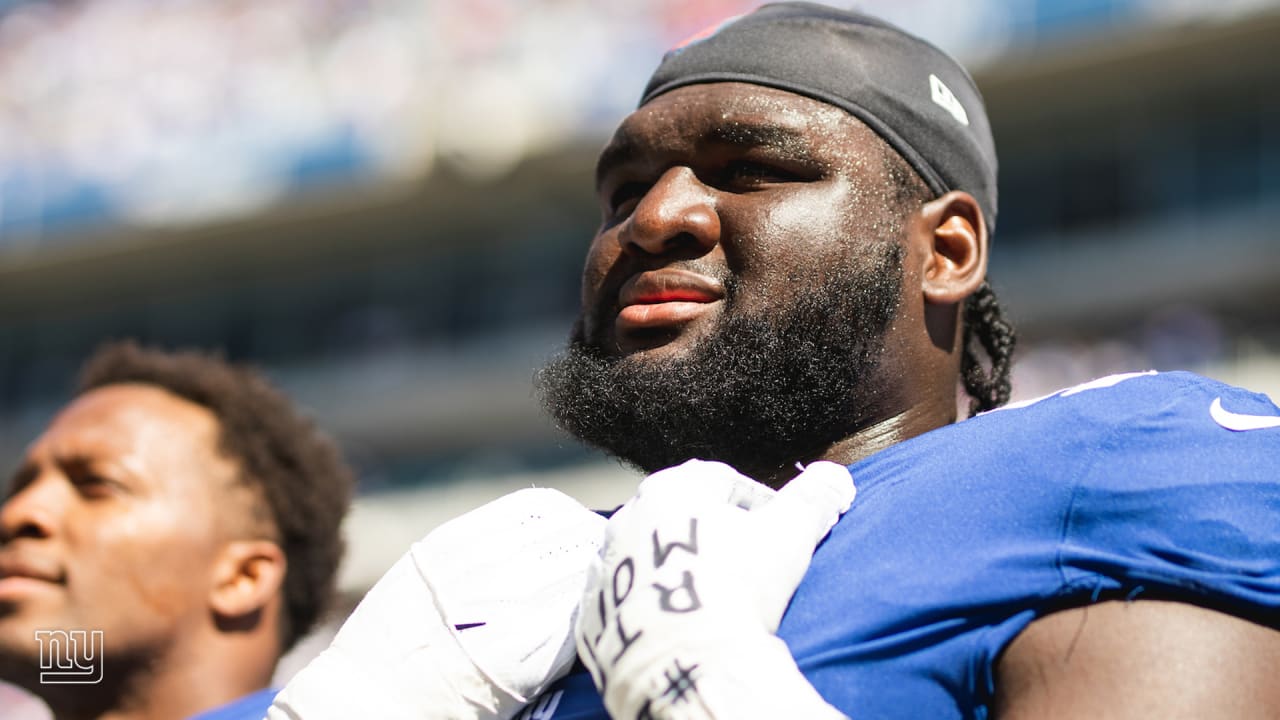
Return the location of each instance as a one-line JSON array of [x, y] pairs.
[[985, 325]]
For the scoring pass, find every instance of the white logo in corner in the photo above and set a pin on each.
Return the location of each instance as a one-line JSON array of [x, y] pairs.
[[1238, 422], [947, 100], [70, 657]]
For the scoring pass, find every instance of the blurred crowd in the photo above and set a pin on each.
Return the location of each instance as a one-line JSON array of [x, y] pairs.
[[165, 112], [140, 111]]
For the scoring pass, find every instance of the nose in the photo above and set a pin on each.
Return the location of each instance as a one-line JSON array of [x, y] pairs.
[[676, 216], [29, 512]]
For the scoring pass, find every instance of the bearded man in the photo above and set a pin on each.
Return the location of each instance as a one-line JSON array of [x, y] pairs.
[[786, 289]]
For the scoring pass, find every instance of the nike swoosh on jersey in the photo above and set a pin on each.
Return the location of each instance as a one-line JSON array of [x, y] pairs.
[[1238, 422]]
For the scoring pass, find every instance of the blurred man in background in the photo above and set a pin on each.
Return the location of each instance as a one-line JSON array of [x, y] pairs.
[[182, 508]]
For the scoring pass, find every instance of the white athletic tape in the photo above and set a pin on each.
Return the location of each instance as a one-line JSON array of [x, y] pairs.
[[696, 567], [472, 622]]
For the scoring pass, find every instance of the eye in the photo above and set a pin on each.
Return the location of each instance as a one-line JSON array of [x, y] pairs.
[[91, 483], [751, 173], [623, 200]]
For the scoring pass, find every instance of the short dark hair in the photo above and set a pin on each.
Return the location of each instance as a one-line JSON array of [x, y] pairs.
[[297, 469], [985, 325]]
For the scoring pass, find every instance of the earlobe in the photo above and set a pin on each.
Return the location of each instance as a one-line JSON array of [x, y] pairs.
[[247, 575], [956, 263]]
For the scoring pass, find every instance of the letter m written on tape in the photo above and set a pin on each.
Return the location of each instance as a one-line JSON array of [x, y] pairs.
[[70, 657]]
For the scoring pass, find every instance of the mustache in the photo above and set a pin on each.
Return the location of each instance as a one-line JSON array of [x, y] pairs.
[[589, 329]]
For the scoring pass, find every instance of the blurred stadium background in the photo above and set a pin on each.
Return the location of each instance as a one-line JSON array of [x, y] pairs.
[[385, 203]]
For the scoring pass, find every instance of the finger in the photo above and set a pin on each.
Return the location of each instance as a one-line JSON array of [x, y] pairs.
[[530, 539], [589, 620], [528, 516], [807, 507], [702, 483], [748, 494]]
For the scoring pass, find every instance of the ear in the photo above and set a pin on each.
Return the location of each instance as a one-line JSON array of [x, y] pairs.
[[247, 575], [956, 263]]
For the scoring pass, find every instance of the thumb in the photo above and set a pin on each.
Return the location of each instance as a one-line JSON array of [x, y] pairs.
[[807, 507], [702, 483]]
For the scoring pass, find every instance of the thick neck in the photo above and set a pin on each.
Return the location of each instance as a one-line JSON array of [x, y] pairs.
[[911, 422]]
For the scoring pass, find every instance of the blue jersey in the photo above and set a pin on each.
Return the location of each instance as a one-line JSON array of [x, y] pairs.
[[1163, 486], [250, 707]]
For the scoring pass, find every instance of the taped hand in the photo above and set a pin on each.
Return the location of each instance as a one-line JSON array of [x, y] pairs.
[[679, 617], [474, 621]]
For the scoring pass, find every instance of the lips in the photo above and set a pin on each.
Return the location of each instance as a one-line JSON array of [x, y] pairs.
[[665, 298], [29, 567]]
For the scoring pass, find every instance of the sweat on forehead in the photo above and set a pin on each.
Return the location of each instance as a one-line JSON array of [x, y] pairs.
[[734, 114], [910, 93]]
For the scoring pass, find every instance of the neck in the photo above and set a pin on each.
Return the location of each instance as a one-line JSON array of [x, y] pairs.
[[915, 420], [890, 431], [162, 690]]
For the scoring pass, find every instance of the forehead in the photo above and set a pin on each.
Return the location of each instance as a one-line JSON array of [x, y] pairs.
[[129, 419], [738, 113]]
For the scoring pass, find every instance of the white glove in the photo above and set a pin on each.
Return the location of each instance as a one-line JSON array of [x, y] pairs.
[[679, 619], [473, 622]]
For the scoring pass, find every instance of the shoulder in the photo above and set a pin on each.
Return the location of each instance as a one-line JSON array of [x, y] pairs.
[[1084, 416], [250, 707], [1124, 394], [1135, 427], [1137, 660], [1180, 502], [1148, 425]]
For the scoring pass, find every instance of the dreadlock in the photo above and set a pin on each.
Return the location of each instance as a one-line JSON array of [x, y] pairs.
[[985, 326]]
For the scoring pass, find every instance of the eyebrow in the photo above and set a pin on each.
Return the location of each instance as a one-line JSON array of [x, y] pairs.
[[740, 135], [617, 152], [780, 137]]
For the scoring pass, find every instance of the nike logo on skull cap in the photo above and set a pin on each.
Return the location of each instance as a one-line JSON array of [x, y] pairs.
[[1238, 422]]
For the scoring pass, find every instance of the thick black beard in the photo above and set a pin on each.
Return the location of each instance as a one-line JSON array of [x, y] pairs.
[[759, 393]]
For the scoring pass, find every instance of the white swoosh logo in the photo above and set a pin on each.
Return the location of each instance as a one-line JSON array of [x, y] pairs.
[[1238, 422]]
